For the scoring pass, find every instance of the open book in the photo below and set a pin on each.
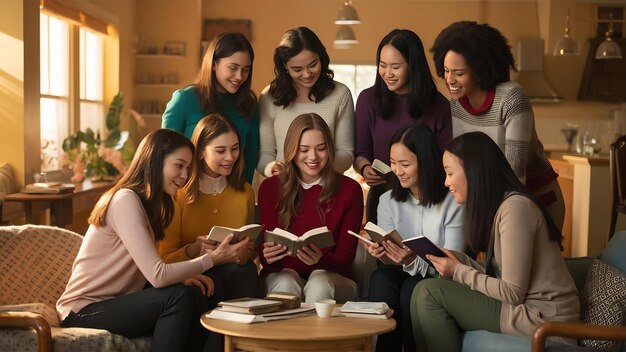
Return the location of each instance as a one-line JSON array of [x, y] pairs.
[[220, 313], [381, 167], [249, 305], [219, 233], [321, 236], [383, 259], [378, 235], [421, 246]]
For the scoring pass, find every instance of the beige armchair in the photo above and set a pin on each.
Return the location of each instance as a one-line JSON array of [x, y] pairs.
[[36, 262]]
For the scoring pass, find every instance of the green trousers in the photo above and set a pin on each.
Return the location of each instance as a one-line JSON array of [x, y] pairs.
[[441, 309]]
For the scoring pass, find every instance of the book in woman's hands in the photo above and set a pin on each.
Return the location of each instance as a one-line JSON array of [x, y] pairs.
[[380, 167], [320, 236], [378, 234], [421, 246], [219, 233]]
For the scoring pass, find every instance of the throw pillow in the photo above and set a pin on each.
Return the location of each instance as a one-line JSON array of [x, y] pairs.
[[603, 301]]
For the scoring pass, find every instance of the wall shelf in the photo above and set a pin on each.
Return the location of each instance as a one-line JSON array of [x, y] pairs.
[[158, 56]]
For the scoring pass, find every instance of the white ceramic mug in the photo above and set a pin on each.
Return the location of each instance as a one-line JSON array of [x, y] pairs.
[[325, 307]]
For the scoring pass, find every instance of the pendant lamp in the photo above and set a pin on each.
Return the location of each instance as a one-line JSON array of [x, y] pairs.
[[566, 46], [609, 49], [347, 14]]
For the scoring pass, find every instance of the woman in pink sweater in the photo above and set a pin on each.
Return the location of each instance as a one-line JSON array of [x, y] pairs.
[[119, 256], [307, 194]]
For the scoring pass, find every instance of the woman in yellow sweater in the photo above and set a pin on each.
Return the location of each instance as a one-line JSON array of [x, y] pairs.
[[216, 194]]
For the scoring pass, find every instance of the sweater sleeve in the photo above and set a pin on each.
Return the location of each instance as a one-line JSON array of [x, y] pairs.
[[127, 218], [516, 226], [454, 238], [170, 247], [340, 259], [267, 153], [251, 148], [364, 146], [344, 131], [519, 122], [174, 115]]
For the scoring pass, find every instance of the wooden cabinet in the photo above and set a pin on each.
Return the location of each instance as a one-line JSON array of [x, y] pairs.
[[604, 80], [566, 182]]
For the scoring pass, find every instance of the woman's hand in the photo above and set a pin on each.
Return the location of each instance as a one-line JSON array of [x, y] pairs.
[[200, 246], [247, 253], [228, 253], [274, 252], [205, 284], [400, 255], [277, 168], [444, 266], [376, 250], [372, 177], [310, 255]]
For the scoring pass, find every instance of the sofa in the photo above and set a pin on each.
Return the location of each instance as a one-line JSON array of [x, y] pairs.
[[36, 262], [601, 283]]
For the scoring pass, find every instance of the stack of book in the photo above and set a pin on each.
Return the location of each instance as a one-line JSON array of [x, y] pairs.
[[255, 310], [368, 310], [48, 187]]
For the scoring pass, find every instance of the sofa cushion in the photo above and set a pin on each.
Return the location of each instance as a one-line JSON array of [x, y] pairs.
[[603, 301], [73, 340], [47, 312]]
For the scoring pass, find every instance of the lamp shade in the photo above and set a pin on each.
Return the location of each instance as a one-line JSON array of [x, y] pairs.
[[608, 49], [566, 46], [347, 14], [345, 36]]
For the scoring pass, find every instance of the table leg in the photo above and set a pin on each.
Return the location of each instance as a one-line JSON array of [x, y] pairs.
[[229, 344], [63, 212]]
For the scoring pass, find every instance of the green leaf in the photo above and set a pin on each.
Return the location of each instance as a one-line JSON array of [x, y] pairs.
[[115, 109], [113, 138]]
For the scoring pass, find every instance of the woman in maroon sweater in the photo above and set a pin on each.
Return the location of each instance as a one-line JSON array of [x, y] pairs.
[[306, 195]]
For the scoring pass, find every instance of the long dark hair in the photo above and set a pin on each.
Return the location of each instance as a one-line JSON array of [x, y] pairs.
[[422, 88], [290, 188], [207, 129], [489, 179], [485, 49], [225, 45], [145, 178], [294, 41], [421, 141]]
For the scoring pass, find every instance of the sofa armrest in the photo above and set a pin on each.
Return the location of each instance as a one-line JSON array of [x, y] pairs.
[[577, 331], [30, 320]]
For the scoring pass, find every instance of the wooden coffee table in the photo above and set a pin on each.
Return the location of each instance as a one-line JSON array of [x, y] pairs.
[[309, 333]]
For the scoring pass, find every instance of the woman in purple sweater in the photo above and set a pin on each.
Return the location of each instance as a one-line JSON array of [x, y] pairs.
[[404, 93]]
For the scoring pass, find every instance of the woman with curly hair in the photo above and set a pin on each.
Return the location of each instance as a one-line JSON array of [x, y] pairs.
[[404, 93], [303, 84], [222, 86], [475, 61]]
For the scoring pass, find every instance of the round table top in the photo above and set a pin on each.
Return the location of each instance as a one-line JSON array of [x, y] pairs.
[[303, 328]]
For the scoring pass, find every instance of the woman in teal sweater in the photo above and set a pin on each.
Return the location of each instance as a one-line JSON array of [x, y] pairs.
[[221, 86]]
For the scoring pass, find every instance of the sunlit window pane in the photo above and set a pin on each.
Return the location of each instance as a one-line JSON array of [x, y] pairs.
[[43, 55], [91, 65], [356, 77], [91, 116], [59, 57], [54, 128]]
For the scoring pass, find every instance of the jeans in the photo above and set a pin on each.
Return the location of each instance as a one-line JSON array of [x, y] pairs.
[[234, 281], [170, 314], [392, 285]]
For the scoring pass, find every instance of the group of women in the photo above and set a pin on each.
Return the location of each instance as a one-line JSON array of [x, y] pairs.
[[146, 267]]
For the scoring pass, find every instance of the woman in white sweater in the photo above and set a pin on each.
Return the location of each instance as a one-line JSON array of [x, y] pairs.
[[119, 256], [303, 84]]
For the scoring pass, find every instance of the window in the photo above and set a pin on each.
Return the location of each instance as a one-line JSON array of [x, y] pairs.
[[356, 77], [57, 97]]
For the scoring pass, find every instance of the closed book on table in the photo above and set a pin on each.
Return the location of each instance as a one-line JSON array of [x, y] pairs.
[[320, 236], [248, 305], [221, 314]]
